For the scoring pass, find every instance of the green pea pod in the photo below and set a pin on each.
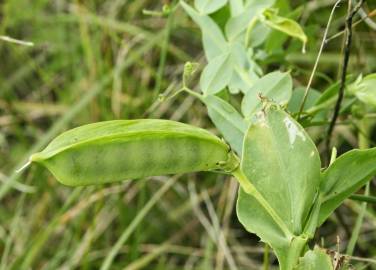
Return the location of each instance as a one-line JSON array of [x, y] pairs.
[[124, 149]]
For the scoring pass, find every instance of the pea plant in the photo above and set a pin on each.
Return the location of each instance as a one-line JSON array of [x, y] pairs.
[[284, 194]]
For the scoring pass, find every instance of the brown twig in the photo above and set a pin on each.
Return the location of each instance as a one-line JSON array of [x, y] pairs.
[[346, 56]]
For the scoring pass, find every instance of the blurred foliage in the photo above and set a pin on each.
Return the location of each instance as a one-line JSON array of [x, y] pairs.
[[99, 60]]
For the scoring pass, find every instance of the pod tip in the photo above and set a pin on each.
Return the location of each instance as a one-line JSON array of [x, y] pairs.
[[23, 167], [33, 158]]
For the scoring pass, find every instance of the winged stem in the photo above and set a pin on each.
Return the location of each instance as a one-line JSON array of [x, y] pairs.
[[249, 188]]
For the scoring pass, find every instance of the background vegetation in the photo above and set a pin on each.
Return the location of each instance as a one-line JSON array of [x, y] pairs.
[[100, 60]]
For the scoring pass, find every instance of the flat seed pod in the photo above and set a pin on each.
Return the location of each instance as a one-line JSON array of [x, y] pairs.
[[124, 149]]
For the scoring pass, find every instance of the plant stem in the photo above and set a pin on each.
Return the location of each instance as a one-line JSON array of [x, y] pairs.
[[358, 224], [250, 27], [107, 262], [346, 57], [266, 257], [363, 198], [249, 188], [294, 252], [317, 60], [193, 93], [163, 54], [364, 130]]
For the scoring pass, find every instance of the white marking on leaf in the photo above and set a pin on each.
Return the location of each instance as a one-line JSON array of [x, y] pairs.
[[293, 131]]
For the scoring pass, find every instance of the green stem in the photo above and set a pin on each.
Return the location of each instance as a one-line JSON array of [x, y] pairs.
[[358, 225], [163, 54], [193, 93], [250, 27], [107, 262], [249, 188], [294, 252], [288, 256], [363, 198], [266, 257], [363, 133]]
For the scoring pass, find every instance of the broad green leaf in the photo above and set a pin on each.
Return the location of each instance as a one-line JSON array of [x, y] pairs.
[[283, 164], [285, 25], [345, 176], [365, 89], [316, 259], [212, 37], [256, 219], [216, 74], [275, 86], [228, 121], [209, 6]]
